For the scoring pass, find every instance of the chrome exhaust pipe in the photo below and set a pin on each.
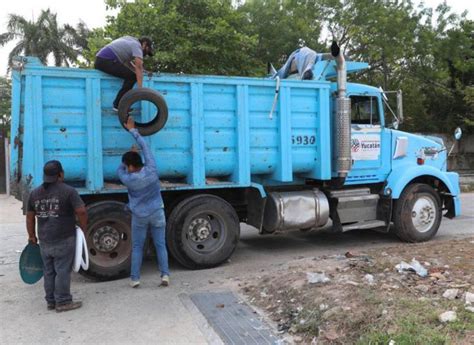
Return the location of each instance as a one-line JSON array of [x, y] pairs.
[[342, 128]]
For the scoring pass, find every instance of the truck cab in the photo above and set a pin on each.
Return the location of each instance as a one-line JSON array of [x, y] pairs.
[[397, 165]]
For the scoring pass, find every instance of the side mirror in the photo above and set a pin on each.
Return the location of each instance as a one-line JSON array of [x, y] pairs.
[[457, 133]]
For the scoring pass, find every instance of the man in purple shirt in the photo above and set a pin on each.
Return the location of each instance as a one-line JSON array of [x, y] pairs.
[[123, 58], [146, 204]]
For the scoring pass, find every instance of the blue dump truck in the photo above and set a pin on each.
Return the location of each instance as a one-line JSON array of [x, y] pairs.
[[276, 154]]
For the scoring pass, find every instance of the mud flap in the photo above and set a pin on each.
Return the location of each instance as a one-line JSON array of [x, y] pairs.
[[334, 215], [255, 209], [449, 205]]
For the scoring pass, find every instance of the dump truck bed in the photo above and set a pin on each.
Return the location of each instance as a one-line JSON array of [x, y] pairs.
[[219, 131]]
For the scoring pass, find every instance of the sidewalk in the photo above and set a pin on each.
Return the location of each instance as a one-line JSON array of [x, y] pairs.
[[466, 180]]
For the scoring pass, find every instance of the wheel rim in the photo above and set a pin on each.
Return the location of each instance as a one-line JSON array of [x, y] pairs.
[[109, 243], [423, 214], [204, 233]]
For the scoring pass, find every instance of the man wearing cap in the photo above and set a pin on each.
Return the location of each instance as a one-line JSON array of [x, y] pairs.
[[55, 204], [123, 58]]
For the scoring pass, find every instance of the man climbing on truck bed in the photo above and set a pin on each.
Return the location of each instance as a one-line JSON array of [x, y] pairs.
[[300, 62], [123, 58], [146, 204]]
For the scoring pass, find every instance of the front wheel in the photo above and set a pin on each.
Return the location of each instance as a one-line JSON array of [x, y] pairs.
[[202, 231], [417, 213]]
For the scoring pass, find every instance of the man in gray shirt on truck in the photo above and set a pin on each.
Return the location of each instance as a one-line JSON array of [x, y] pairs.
[[123, 58]]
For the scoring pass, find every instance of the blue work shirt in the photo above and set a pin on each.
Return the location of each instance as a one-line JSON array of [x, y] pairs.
[[304, 57], [144, 193]]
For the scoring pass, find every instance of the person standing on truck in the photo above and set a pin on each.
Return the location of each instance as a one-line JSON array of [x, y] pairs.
[[123, 58], [55, 204], [146, 204]]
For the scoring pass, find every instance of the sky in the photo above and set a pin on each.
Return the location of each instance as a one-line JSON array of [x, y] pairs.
[[93, 13]]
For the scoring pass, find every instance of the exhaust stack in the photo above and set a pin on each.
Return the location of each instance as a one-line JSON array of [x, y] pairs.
[[342, 128]]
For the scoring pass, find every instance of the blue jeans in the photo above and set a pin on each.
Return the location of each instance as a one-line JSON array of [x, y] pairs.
[[156, 223], [57, 266]]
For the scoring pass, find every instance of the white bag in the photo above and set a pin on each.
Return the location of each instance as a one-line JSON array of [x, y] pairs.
[[81, 258]]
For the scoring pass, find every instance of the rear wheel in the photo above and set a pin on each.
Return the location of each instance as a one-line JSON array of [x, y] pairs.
[[108, 241], [202, 231], [417, 213]]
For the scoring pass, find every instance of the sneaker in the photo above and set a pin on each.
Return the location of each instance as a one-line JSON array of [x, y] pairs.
[[134, 283], [68, 306], [165, 281], [51, 306]]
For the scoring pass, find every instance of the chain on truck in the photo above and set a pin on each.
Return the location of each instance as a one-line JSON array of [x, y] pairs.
[[278, 155]]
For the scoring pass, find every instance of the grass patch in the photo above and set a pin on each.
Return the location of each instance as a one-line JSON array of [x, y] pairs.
[[405, 338], [416, 322]]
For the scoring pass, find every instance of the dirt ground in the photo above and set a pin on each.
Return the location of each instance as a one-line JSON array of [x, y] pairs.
[[366, 300]]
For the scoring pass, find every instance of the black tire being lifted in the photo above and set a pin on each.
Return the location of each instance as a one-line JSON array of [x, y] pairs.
[[108, 241], [144, 94], [202, 231], [417, 213]]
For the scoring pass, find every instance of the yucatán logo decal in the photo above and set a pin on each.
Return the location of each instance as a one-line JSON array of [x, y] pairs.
[[365, 147]]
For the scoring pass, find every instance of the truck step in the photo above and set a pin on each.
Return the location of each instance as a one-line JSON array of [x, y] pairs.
[[346, 193], [364, 225]]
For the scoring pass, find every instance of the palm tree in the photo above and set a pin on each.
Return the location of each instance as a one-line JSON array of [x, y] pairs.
[[65, 43], [44, 37]]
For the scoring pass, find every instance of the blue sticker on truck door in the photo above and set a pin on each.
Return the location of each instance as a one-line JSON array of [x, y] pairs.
[[365, 147]]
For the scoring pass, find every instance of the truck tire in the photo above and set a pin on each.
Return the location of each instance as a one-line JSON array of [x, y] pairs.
[[417, 213], [144, 94], [108, 241], [202, 231]]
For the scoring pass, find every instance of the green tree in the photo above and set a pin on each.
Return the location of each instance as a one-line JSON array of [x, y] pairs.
[[381, 33], [201, 36], [446, 75], [427, 53], [5, 104], [96, 39], [440, 71], [44, 37], [281, 26]]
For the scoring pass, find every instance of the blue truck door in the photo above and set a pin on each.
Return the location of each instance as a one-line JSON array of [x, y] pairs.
[[370, 141]]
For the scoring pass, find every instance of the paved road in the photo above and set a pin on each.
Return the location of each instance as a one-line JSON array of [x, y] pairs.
[[116, 314]]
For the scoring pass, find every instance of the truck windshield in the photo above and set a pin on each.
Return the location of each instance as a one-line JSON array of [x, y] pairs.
[[364, 110]]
